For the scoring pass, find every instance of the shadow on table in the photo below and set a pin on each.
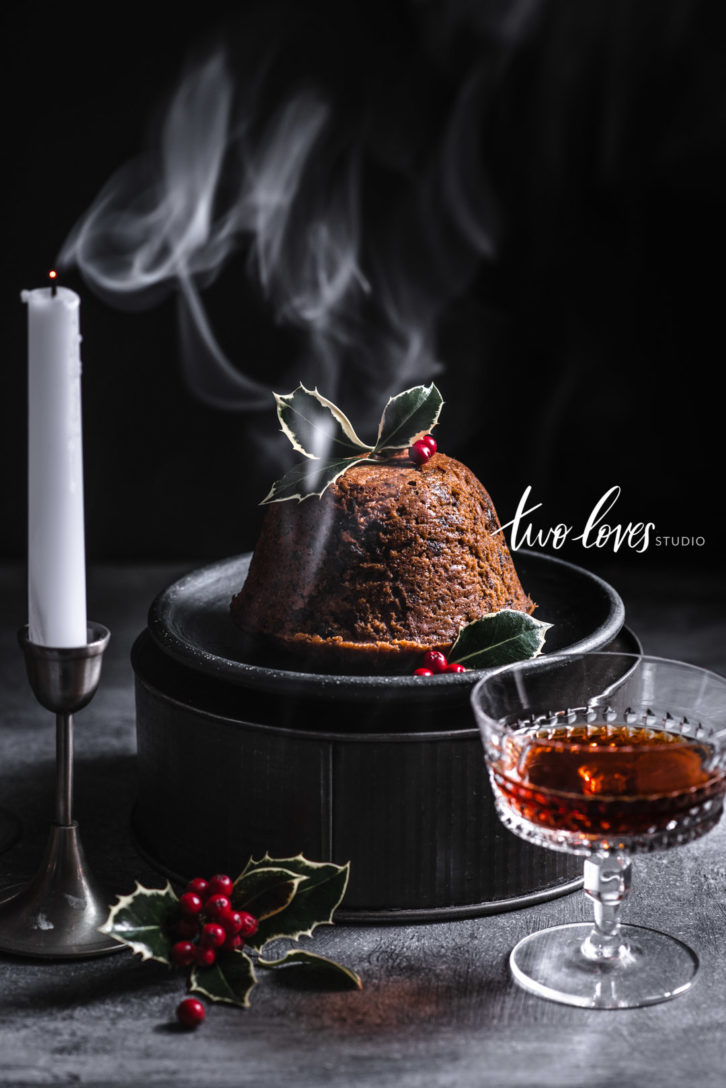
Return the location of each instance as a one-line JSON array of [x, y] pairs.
[[448, 991], [56, 986]]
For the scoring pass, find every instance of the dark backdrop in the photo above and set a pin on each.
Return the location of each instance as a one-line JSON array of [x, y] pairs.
[[585, 351]]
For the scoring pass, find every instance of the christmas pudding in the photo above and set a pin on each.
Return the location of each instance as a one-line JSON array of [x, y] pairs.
[[370, 556]]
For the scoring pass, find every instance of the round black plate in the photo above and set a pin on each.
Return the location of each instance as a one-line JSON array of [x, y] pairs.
[[190, 621]]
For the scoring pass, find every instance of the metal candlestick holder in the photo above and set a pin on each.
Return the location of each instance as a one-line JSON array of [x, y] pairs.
[[57, 915]]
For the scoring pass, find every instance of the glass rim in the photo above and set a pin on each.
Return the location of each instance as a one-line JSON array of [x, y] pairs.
[[578, 655], [718, 736]]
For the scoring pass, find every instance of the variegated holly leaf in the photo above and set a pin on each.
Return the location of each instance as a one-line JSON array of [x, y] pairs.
[[321, 964], [408, 417], [308, 479], [265, 891], [316, 427], [142, 920], [318, 895], [499, 639], [230, 979]]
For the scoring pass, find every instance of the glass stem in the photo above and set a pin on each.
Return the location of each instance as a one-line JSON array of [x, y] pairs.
[[607, 882]]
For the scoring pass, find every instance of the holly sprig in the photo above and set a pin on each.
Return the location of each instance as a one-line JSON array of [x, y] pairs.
[[319, 430], [496, 638], [283, 898]]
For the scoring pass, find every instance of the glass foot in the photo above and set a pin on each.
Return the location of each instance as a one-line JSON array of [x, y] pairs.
[[650, 967], [9, 829]]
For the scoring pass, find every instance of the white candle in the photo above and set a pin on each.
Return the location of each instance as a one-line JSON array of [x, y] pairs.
[[56, 549]]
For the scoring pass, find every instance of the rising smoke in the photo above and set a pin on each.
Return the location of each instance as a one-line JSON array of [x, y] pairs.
[[353, 180]]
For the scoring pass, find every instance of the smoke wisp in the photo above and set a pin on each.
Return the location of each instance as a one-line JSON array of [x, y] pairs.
[[359, 199]]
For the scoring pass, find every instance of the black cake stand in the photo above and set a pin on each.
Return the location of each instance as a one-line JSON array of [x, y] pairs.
[[239, 756]]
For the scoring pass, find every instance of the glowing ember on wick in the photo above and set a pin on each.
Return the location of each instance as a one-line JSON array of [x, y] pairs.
[[53, 276]]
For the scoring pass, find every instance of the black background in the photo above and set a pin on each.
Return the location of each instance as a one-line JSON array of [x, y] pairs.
[[588, 353]]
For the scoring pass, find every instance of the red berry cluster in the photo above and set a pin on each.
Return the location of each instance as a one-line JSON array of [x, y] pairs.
[[434, 662], [207, 924], [206, 927], [421, 450]]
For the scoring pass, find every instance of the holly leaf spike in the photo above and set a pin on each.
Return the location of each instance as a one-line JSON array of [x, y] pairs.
[[318, 895], [230, 980], [316, 427], [408, 417], [312, 961], [265, 891], [308, 479], [141, 919]]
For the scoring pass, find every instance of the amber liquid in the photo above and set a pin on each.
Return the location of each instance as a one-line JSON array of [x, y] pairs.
[[605, 779]]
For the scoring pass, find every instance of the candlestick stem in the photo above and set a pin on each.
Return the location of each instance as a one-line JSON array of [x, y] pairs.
[[64, 769]]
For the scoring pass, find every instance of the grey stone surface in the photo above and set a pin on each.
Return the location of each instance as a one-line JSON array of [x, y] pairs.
[[438, 1008]]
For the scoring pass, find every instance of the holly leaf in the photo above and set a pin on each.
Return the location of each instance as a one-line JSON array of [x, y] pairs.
[[316, 427], [311, 961], [308, 479], [318, 895], [229, 979], [264, 891], [408, 417], [499, 638], [141, 920]]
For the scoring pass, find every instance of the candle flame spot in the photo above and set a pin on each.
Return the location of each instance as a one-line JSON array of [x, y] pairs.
[[52, 274]]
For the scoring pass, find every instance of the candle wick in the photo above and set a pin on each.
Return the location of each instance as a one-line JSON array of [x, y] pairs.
[[53, 283]]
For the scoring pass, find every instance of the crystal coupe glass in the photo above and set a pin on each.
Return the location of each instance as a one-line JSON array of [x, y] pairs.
[[604, 755]]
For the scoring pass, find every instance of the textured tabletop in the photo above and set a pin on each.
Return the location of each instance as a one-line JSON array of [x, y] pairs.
[[438, 1007]]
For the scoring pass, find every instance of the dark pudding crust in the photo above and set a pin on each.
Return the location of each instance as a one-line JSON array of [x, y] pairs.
[[391, 561]]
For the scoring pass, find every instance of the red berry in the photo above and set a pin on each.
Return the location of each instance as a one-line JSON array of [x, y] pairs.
[[232, 922], [233, 941], [217, 906], [182, 953], [430, 441], [186, 928], [422, 672], [190, 904], [250, 925], [204, 957], [198, 886], [190, 1012], [212, 935], [220, 885], [434, 660], [419, 452], [454, 667]]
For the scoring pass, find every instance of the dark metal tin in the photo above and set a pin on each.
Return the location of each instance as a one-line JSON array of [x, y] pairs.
[[225, 772]]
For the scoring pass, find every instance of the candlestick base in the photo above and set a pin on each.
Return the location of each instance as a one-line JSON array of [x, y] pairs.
[[58, 914], [9, 829]]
